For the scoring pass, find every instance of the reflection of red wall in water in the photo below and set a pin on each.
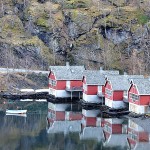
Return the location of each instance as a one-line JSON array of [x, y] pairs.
[[115, 128], [111, 129], [57, 115], [141, 136], [75, 116], [61, 115], [135, 137], [89, 121]]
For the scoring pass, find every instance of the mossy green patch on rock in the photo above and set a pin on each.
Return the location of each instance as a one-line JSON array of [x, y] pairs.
[[42, 22], [11, 23], [142, 18], [74, 4], [44, 14]]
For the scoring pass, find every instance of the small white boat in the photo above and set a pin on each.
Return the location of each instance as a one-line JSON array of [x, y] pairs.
[[20, 115], [26, 100], [16, 111]]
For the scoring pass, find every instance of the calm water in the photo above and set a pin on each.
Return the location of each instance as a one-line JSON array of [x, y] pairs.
[[49, 126]]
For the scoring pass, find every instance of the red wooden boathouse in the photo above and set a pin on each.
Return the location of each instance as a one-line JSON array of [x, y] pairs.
[[93, 85], [66, 81], [116, 90], [139, 96]]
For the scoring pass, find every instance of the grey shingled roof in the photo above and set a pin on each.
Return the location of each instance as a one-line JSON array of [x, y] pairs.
[[122, 82], [97, 77], [68, 72], [143, 86]]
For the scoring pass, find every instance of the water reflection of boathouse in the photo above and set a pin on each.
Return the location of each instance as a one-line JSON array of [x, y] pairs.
[[91, 125], [115, 132], [63, 118], [138, 139]]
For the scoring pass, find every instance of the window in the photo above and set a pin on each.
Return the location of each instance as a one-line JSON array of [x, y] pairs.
[[107, 128], [52, 82], [108, 92], [134, 97]]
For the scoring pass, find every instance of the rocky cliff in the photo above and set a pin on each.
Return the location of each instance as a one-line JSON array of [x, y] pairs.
[[114, 34]]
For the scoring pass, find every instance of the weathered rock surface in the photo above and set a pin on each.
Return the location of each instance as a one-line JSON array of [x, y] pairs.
[[114, 34]]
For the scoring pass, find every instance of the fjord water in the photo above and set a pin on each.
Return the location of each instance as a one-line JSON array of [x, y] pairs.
[[68, 127]]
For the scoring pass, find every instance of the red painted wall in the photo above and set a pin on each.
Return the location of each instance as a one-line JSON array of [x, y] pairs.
[[143, 99], [117, 95], [134, 91], [108, 86], [103, 89], [51, 75], [76, 83], [91, 89], [60, 84]]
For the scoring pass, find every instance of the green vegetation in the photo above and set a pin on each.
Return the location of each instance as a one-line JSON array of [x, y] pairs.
[[73, 4], [42, 22], [142, 18]]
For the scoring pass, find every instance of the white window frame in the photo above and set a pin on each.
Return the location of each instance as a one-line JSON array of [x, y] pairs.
[[52, 82], [108, 92], [134, 97]]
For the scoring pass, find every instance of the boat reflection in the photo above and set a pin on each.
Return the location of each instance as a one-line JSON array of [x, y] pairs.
[[19, 115], [138, 139]]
